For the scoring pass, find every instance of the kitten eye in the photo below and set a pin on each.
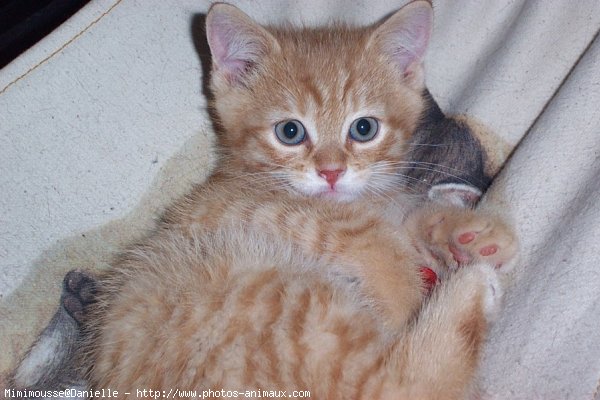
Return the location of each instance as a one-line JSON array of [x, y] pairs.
[[290, 132], [364, 129]]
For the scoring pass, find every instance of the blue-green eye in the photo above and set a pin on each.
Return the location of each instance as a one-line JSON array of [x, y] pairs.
[[290, 132], [364, 129]]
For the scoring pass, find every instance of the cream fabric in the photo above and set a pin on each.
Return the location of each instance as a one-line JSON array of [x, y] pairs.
[[104, 122]]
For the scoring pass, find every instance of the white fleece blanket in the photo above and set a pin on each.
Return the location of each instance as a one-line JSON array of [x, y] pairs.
[[104, 122]]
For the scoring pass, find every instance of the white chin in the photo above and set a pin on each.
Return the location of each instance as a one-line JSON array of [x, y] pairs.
[[337, 195]]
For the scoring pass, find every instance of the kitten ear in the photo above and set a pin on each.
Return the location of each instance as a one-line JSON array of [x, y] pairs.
[[457, 194], [404, 37], [236, 42]]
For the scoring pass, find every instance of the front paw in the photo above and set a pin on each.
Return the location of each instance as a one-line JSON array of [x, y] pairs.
[[464, 237]]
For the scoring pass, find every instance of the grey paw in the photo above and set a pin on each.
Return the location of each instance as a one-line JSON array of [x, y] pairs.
[[79, 291]]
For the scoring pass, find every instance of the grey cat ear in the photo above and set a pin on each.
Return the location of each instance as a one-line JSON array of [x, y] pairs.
[[457, 194], [404, 37], [236, 42]]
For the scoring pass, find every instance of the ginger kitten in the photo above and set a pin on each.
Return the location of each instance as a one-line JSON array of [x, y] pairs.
[[303, 263]]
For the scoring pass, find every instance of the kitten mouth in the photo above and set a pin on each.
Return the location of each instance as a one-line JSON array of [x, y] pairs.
[[337, 194], [340, 193]]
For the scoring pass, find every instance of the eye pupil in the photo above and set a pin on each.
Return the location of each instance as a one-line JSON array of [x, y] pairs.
[[290, 130], [363, 127]]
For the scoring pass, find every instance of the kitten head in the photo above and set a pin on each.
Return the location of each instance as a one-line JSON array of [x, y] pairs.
[[325, 112]]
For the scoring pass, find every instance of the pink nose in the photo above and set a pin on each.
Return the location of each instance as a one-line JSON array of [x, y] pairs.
[[331, 176]]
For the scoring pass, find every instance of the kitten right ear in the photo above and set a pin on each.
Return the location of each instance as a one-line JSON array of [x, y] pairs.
[[236, 42], [404, 37]]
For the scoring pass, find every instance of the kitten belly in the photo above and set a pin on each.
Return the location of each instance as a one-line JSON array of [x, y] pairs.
[[263, 328]]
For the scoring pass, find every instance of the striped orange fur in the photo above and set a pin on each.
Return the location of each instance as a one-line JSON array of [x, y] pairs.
[[270, 276]]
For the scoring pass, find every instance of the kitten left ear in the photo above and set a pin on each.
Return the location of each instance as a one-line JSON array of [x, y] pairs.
[[236, 42], [404, 37]]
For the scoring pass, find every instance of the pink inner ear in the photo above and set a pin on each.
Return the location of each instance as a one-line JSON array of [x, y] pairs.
[[407, 36], [222, 39], [413, 48], [216, 38], [234, 43]]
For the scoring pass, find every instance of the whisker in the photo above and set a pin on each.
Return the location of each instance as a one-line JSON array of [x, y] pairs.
[[411, 163]]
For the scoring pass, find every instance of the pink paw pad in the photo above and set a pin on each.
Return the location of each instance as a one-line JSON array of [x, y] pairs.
[[466, 237], [488, 250]]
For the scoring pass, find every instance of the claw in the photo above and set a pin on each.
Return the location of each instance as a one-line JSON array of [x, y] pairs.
[[429, 278]]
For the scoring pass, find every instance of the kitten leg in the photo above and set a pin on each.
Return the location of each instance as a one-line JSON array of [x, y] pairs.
[[49, 364], [441, 351], [440, 354], [445, 238], [386, 271]]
